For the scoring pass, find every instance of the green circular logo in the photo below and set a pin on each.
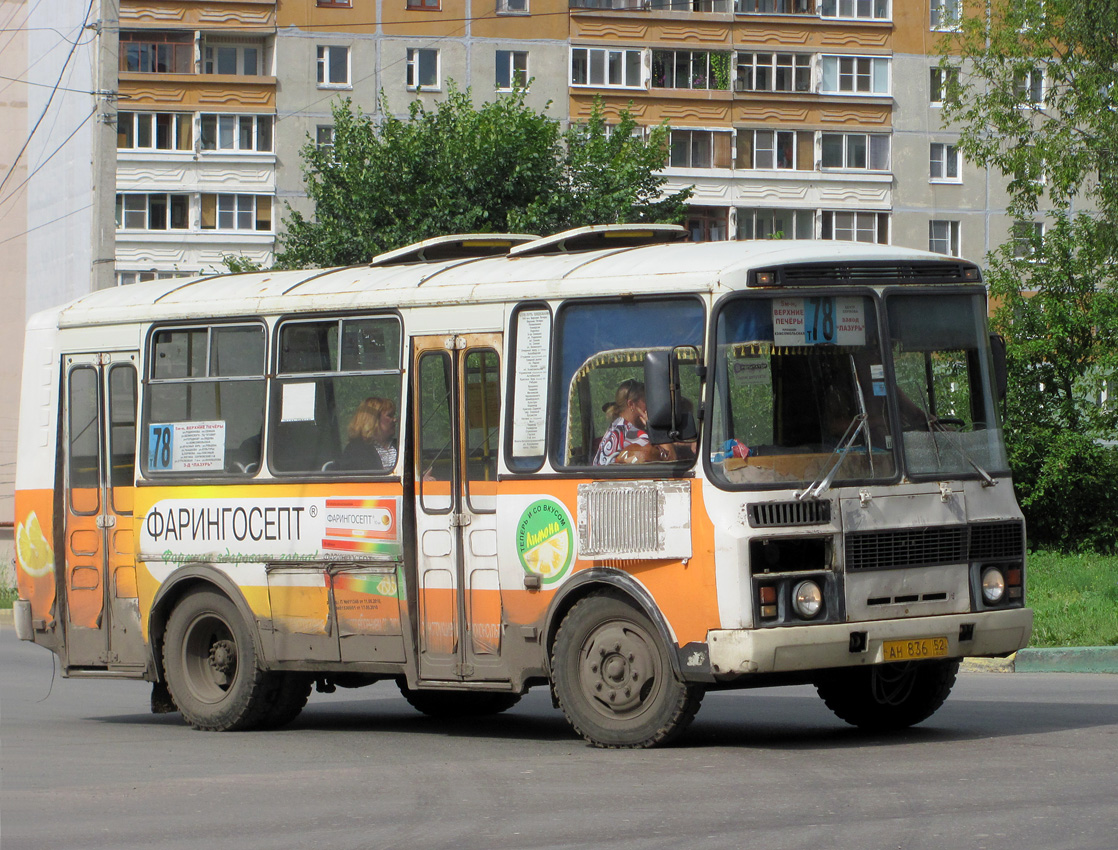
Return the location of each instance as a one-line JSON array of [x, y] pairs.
[[545, 540]]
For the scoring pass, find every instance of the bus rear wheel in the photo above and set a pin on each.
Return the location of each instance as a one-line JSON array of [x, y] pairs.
[[887, 697], [211, 663], [613, 677]]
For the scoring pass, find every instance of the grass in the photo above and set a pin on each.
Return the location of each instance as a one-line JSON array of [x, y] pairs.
[[1074, 599]]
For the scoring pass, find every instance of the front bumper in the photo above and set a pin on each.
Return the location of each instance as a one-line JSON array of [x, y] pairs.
[[794, 648]]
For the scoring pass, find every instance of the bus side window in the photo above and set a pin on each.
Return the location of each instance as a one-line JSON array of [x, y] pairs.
[[212, 378], [326, 371]]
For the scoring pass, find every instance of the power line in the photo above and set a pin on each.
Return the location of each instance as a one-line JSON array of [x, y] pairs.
[[47, 223], [46, 107]]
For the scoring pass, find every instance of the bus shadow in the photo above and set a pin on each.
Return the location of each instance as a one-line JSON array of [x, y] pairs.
[[753, 721]]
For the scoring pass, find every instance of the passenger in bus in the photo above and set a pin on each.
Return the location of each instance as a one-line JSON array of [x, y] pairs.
[[372, 437], [626, 440]]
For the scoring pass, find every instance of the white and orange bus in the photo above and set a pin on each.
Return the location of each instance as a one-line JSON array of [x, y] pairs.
[[610, 461]]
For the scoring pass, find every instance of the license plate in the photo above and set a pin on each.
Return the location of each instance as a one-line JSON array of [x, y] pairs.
[[908, 650]]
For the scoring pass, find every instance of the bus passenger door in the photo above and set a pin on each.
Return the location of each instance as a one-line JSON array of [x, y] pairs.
[[99, 578], [457, 397]]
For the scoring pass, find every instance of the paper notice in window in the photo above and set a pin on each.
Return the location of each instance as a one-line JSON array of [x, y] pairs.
[[298, 403], [533, 344]]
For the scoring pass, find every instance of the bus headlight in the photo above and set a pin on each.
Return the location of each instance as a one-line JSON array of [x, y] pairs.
[[993, 585], [807, 599]]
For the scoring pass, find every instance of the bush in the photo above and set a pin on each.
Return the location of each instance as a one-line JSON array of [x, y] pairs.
[[1067, 485]]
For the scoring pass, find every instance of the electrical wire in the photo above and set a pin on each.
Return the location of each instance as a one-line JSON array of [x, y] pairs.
[[46, 106]]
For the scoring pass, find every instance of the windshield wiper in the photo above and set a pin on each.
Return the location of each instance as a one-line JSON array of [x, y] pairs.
[[839, 454], [935, 425]]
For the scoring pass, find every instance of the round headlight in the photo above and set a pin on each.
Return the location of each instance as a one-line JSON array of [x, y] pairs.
[[993, 585], [807, 599]]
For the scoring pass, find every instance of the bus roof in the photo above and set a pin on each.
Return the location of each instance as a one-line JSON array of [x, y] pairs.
[[647, 269]]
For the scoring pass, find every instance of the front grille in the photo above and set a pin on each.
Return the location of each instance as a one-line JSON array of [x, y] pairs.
[[997, 540], [784, 514], [918, 547], [934, 546]]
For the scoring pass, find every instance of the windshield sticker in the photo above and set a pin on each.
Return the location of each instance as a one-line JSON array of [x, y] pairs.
[[751, 371], [298, 403]]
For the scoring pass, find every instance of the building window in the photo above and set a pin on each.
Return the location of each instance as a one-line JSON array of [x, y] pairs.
[[512, 7], [324, 137], [430, 5], [233, 58], [237, 212], [690, 69], [943, 237], [775, 224], [606, 67], [940, 85], [863, 151], [877, 10], [945, 163], [1026, 236], [699, 149], [855, 226], [1029, 86], [333, 66], [344, 4], [124, 278], [242, 133], [774, 7], [157, 211], [855, 75], [423, 68], [157, 52], [162, 131], [773, 72], [945, 14], [512, 69], [770, 149]]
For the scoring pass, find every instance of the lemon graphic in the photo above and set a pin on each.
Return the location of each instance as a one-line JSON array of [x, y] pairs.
[[35, 554], [549, 557], [545, 540], [387, 587]]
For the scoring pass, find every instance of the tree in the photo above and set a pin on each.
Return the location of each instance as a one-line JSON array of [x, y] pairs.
[[1033, 89], [457, 168]]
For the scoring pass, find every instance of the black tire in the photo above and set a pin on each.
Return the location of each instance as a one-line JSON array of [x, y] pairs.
[[288, 694], [613, 677], [212, 665], [447, 704], [887, 697]]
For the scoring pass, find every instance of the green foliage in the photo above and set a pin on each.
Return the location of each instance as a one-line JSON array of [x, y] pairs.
[[1058, 311], [237, 263], [457, 168], [1069, 136], [1074, 599]]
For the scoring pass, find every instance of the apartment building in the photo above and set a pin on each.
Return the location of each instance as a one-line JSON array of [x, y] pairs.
[[195, 136]]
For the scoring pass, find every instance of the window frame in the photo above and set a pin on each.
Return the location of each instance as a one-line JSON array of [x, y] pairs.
[[871, 141], [837, 5], [881, 221], [951, 238], [624, 59], [237, 120], [515, 77], [325, 65], [944, 15], [854, 74], [707, 73], [951, 157], [413, 64], [947, 78], [238, 209], [798, 70], [171, 201], [179, 121]]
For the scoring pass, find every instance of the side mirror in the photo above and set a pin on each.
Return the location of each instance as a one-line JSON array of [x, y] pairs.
[[670, 419], [1001, 373]]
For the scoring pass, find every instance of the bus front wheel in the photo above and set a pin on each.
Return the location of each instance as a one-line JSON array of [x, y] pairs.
[[211, 664], [613, 677], [887, 697]]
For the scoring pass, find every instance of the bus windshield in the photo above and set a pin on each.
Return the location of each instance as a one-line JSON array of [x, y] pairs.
[[799, 391], [945, 394]]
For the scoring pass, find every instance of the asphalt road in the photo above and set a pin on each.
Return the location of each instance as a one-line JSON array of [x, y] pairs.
[[1011, 761]]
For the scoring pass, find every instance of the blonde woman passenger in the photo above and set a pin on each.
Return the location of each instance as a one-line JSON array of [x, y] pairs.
[[372, 445]]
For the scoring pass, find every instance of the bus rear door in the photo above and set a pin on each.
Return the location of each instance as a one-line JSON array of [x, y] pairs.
[[457, 396], [102, 619]]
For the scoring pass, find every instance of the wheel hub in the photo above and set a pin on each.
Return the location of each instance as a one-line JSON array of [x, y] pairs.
[[223, 657], [617, 669]]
